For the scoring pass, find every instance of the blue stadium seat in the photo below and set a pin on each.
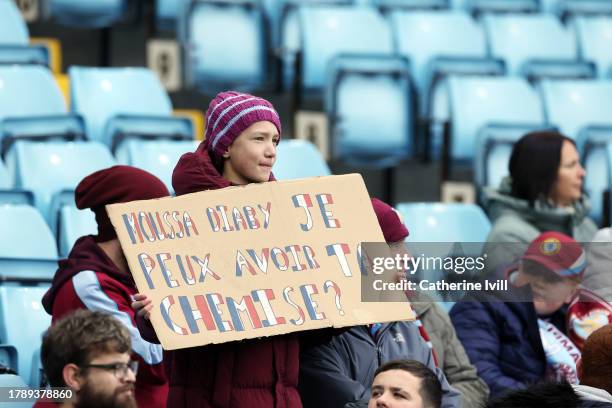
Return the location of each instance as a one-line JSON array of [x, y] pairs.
[[299, 159], [437, 222], [567, 9], [87, 14], [13, 381], [573, 106], [370, 108], [168, 13], [439, 43], [535, 46], [22, 323], [390, 5], [73, 224], [479, 104], [5, 181], [595, 42], [32, 106], [155, 156], [123, 103], [216, 61], [48, 168], [597, 159], [478, 7], [25, 236], [286, 33], [328, 31], [14, 38]]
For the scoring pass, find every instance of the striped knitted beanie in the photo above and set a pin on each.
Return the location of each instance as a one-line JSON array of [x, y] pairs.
[[229, 114]]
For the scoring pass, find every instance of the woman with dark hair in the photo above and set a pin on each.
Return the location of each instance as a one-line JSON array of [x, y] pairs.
[[542, 193]]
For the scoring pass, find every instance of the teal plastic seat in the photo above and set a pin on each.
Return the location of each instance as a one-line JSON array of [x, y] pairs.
[[14, 38], [73, 224], [87, 14], [298, 159]]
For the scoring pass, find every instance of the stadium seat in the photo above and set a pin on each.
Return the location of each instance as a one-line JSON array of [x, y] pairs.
[[167, 13], [22, 323], [440, 43], [328, 31], [390, 5], [32, 106], [535, 46], [573, 106], [298, 159], [437, 222], [14, 39], [486, 103], [595, 42], [25, 236], [566, 9], [478, 7], [86, 14], [370, 109], [13, 381], [597, 159], [214, 60], [155, 156], [5, 181], [49, 168], [73, 224], [123, 103]]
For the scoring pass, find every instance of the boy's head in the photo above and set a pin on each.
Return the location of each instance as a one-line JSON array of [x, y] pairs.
[[242, 132], [553, 265]]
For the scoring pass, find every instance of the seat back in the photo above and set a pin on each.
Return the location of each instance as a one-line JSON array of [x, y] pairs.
[[22, 323], [328, 31], [572, 105], [87, 14], [25, 235], [299, 159], [479, 101], [215, 60], [48, 168], [364, 130], [595, 41], [13, 30], [73, 224], [422, 36], [100, 94], [597, 161], [158, 157], [5, 180], [521, 38]]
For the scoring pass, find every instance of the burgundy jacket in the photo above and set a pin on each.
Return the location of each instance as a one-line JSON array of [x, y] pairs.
[[260, 373], [88, 279]]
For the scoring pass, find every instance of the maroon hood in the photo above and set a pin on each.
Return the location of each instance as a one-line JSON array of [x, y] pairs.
[[195, 172], [85, 255]]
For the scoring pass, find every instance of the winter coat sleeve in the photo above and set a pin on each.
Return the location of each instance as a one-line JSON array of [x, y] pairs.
[[459, 372], [325, 380], [479, 334]]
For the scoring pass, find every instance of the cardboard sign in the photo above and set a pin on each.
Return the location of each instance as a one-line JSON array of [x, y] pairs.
[[253, 261]]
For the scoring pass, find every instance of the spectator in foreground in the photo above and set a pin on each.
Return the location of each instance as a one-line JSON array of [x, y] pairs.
[[89, 353]]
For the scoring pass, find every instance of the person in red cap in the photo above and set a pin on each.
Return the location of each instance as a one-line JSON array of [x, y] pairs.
[[96, 275], [242, 132], [519, 336]]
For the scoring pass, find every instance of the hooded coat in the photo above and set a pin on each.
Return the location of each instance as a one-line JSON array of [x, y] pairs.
[[89, 279], [514, 220], [261, 373]]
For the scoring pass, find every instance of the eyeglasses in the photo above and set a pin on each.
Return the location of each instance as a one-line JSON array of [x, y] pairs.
[[119, 369]]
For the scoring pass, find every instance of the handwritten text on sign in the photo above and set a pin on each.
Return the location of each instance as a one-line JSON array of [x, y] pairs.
[[252, 261]]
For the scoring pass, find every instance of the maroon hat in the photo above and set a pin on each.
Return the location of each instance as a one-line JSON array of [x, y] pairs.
[[229, 114], [558, 253], [117, 184], [388, 218]]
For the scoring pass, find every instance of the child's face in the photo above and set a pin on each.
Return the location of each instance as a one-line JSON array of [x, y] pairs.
[[251, 157], [548, 297]]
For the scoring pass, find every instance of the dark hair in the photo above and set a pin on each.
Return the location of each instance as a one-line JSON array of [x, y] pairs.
[[431, 389], [541, 395], [534, 164], [597, 359], [78, 338]]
